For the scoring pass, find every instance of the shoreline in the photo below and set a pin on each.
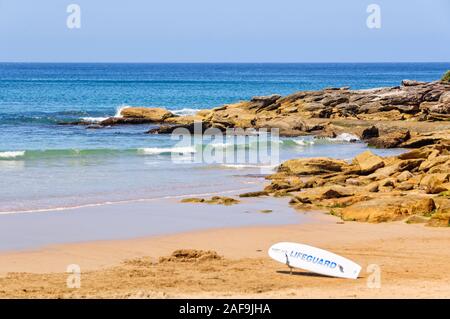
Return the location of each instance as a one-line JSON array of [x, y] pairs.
[[122, 221], [118, 202]]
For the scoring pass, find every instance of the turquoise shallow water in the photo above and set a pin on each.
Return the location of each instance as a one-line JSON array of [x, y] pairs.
[[44, 165]]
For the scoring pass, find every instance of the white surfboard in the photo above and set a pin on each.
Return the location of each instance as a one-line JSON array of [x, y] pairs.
[[315, 260]]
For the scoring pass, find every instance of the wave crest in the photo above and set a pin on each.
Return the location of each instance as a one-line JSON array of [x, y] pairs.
[[12, 154]]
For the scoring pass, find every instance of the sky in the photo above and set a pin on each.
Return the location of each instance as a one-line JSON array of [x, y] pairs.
[[225, 31]]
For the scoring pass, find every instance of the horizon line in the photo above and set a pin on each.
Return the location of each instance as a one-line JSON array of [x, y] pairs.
[[187, 62]]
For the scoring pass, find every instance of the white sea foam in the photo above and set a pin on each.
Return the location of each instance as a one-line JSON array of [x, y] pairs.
[[165, 150], [13, 154], [341, 138], [299, 142], [243, 166], [120, 109], [94, 119], [185, 111], [303, 142], [346, 137]]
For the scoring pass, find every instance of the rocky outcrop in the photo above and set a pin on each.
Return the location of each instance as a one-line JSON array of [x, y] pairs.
[[138, 115], [315, 112], [307, 112], [372, 188], [313, 166], [390, 140], [156, 115]]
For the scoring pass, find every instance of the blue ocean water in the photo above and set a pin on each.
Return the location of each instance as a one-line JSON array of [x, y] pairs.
[[46, 165], [45, 93]]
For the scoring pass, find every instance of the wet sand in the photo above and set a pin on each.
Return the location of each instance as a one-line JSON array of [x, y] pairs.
[[24, 231], [413, 261]]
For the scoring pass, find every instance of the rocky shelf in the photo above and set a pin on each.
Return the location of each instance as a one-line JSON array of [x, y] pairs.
[[414, 186]]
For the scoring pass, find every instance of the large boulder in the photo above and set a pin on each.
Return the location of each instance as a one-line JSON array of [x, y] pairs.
[[435, 183], [442, 216], [152, 114], [313, 166], [370, 132], [368, 162], [390, 140], [386, 209]]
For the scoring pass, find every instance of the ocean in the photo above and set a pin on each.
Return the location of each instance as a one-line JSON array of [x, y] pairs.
[[47, 166]]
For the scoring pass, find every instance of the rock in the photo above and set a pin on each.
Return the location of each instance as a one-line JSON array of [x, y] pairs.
[[347, 109], [313, 166], [156, 115], [193, 200], [369, 133], [434, 183], [415, 154], [287, 125], [267, 103], [445, 98], [440, 108], [440, 219], [221, 200], [372, 187], [385, 172], [395, 189], [393, 115], [409, 165], [405, 186], [375, 211], [423, 207], [368, 162], [433, 95], [412, 83], [254, 194], [390, 140], [442, 116], [185, 120], [388, 182], [218, 200], [336, 192], [333, 100], [193, 128], [277, 185], [354, 181], [387, 209], [124, 121], [404, 176], [430, 163], [416, 220], [408, 108], [422, 140]]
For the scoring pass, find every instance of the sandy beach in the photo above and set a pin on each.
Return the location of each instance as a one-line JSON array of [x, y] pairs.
[[411, 259], [174, 151]]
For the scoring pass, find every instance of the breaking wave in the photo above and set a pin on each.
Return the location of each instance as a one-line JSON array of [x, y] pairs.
[[12, 154], [79, 153], [308, 141], [167, 150]]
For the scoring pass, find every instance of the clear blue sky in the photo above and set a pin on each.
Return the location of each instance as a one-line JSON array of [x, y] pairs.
[[224, 31]]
